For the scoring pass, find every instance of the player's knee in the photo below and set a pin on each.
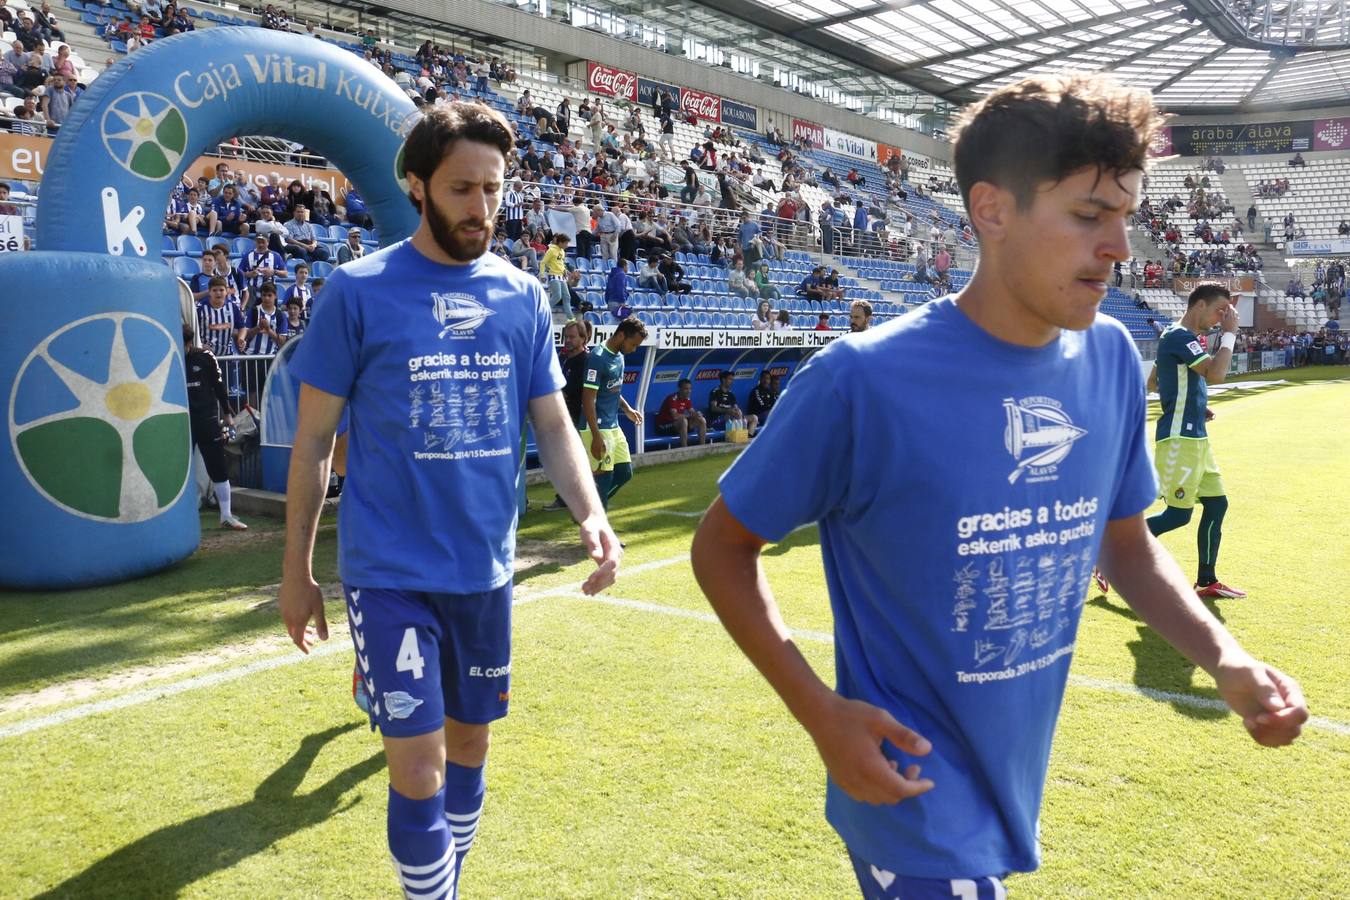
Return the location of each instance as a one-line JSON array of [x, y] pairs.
[[1215, 506], [416, 765], [465, 742]]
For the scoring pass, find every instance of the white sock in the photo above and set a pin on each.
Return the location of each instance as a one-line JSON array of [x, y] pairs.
[[223, 498]]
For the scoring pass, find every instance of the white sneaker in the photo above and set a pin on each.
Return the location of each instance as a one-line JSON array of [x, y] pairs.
[[232, 522]]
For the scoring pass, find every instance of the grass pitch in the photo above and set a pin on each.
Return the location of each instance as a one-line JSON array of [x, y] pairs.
[[158, 738]]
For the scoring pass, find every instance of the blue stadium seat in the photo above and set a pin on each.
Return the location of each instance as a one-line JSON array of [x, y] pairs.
[[321, 269], [241, 246], [190, 245], [583, 264], [186, 266], [169, 246], [337, 233], [218, 241]]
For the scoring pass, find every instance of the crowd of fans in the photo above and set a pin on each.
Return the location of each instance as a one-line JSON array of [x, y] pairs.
[[1327, 287], [1327, 346], [1208, 215]]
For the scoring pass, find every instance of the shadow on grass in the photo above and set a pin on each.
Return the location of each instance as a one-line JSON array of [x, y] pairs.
[[1157, 665], [205, 601], [166, 861]]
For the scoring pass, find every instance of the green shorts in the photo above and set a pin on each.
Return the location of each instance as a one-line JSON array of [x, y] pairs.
[[616, 449], [1186, 471]]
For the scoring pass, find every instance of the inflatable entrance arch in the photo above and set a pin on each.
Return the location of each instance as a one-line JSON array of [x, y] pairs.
[[94, 463]]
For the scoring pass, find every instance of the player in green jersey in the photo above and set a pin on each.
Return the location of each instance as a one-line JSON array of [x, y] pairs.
[[1187, 471], [601, 401]]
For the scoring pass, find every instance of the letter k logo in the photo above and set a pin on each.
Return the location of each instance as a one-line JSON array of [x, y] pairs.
[[121, 229]]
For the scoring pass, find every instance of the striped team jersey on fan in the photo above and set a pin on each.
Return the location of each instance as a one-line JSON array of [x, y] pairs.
[[213, 337], [262, 344]]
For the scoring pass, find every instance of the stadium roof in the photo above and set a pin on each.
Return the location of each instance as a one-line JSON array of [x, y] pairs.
[[959, 50]]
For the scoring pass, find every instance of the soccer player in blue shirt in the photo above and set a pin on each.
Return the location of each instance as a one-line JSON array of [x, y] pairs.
[[1187, 470], [966, 464], [437, 350]]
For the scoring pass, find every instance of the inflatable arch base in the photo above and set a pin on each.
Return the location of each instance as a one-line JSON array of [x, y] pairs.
[[94, 466]]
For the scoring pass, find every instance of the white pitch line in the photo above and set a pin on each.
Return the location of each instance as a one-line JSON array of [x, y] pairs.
[[210, 679], [160, 692], [1079, 681]]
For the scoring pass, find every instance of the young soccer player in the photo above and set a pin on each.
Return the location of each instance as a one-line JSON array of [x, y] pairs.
[[426, 533], [601, 401], [960, 517], [1187, 471]]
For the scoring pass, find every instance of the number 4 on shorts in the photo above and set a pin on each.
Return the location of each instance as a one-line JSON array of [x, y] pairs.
[[409, 660]]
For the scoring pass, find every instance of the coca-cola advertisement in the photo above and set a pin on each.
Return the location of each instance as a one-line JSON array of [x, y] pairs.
[[701, 105], [808, 130], [611, 82]]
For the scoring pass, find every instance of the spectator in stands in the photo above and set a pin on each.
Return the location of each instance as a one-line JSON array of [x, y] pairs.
[[627, 236], [746, 230], [352, 249], [1298, 161], [8, 73], [261, 265], [355, 206], [674, 274], [301, 239], [763, 317], [764, 284], [45, 22], [522, 254], [753, 252], [812, 287], [184, 215], [227, 214], [859, 316], [616, 290], [822, 322], [553, 270], [722, 405], [536, 218], [322, 211], [1343, 228], [650, 277], [830, 282], [738, 283], [302, 292], [678, 417]]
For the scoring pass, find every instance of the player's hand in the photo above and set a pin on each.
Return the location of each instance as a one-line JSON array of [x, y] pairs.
[[602, 544], [633, 416], [300, 600], [1229, 320], [849, 735], [597, 446], [1270, 702]]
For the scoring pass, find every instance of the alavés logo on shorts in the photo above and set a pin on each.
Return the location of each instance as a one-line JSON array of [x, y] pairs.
[[146, 133], [460, 314], [1039, 435], [103, 394]]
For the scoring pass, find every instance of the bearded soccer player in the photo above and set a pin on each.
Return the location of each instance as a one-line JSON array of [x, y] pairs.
[[957, 559], [437, 349], [1187, 471]]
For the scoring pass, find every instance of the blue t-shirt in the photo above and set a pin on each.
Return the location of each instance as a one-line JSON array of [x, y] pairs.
[[437, 364], [962, 485], [1182, 394]]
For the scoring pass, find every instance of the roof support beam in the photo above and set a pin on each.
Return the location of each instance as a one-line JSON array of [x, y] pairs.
[[1193, 67], [856, 14], [1264, 80], [1049, 32], [1060, 54], [1152, 48]]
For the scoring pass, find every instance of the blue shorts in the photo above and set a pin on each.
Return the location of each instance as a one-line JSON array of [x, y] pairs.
[[428, 656], [878, 884]]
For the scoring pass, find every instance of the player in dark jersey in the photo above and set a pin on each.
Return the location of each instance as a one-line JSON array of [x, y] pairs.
[[576, 336], [206, 401], [1187, 470], [601, 401]]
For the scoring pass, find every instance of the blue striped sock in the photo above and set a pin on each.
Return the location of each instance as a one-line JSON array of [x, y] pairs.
[[464, 791], [423, 850]]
